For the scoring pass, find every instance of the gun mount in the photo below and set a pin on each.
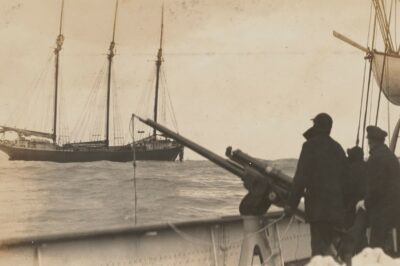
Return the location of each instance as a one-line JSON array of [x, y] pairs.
[[265, 184]]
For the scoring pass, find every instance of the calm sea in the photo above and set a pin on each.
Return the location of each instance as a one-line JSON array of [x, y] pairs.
[[45, 198]]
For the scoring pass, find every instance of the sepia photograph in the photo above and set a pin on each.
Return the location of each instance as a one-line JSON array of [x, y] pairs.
[[199, 132]]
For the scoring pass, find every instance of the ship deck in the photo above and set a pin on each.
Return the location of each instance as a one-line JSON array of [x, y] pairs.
[[199, 242]]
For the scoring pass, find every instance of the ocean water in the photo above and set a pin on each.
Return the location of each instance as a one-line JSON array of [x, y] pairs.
[[40, 198]]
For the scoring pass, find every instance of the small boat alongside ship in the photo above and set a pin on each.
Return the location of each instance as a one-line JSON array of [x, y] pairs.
[[32, 145]]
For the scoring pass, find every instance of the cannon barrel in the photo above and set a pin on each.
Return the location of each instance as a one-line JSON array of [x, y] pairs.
[[232, 167], [265, 183], [277, 177]]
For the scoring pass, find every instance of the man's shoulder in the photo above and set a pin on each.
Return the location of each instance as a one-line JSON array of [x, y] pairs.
[[334, 142], [327, 140], [324, 142], [381, 154], [382, 151]]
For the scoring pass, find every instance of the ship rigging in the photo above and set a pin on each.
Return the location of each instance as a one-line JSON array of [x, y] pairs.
[[383, 64], [34, 144]]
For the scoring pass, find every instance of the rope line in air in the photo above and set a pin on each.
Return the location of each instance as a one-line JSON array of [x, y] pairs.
[[384, 63], [369, 83], [132, 126], [116, 114], [385, 57], [363, 83], [86, 124], [388, 120], [35, 94], [172, 109], [380, 87], [361, 104]]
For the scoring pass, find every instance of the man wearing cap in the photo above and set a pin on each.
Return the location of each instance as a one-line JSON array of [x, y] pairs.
[[382, 199], [319, 177]]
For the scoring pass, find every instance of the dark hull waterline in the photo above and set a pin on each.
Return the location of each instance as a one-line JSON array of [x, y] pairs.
[[108, 154]]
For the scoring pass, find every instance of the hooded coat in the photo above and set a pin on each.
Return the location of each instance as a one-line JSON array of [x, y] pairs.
[[321, 168]]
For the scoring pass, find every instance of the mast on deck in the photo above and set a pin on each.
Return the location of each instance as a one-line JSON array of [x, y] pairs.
[[59, 43], [111, 53], [158, 68]]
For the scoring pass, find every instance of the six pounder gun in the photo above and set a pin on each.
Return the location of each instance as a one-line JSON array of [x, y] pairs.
[[265, 184]]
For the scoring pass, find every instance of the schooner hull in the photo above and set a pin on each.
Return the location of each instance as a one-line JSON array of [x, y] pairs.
[[114, 154]]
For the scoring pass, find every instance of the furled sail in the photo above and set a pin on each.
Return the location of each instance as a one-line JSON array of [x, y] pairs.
[[386, 69], [26, 132]]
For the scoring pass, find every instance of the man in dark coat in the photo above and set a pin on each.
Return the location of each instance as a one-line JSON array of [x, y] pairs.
[[354, 240], [354, 186], [319, 176], [382, 199]]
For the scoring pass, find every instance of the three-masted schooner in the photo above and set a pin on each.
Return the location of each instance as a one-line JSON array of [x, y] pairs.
[[43, 146]]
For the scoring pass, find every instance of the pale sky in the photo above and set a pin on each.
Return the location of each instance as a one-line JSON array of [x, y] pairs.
[[246, 73]]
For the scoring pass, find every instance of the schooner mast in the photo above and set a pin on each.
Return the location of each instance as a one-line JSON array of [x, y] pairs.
[[158, 68], [111, 53], [59, 43], [26, 148]]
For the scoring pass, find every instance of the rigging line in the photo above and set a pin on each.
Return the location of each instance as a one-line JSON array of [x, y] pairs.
[[101, 117], [141, 102], [395, 26], [370, 22], [384, 24], [144, 102], [173, 116], [361, 104], [371, 103], [168, 111], [164, 105], [113, 122], [61, 17], [387, 48], [380, 86], [381, 20], [116, 110], [390, 14], [113, 105], [388, 118], [364, 77], [369, 84], [31, 92], [38, 96], [388, 24], [60, 107], [84, 120], [132, 127], [116, 116], [97, 127]]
